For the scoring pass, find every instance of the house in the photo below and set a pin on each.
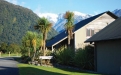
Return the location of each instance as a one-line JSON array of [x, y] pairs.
[[108, 48], [83, 30]]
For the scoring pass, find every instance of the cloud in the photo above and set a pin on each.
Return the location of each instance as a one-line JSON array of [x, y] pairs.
[[37, 10], [22, 3], [79, 13], [50, 16], [97, 12], [13, 1], [16, 2]]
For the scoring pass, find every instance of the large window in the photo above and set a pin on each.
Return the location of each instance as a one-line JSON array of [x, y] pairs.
[[89, 32]]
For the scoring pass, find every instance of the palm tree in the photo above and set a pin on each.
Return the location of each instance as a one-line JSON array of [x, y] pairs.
[[34, 46], [44, 26], [40, 42], [69, 25]]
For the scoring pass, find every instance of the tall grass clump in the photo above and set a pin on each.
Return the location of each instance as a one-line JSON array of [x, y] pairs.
[[84, 58], [64, 56]]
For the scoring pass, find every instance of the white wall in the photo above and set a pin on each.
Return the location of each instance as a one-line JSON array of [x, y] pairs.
[[80, 37], [99, 23]]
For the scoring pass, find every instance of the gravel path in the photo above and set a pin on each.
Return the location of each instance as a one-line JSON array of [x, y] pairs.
[[8, 66]]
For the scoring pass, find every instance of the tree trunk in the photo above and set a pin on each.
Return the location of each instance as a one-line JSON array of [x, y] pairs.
[[28, 51], [69, 38], [43, 47], [34, 53], [34, 46], [71, 33], [44, 42]]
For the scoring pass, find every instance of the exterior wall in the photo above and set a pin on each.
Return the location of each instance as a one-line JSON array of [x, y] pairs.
[[97, 24], [109, 57], [80, 37]]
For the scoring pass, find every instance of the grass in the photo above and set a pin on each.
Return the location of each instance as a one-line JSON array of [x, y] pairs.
[[25, 69], [7, 55]]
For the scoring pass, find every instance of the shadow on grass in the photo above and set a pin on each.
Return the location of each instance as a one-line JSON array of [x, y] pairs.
[[82, 72], [41, 70], [36, 71], [25, 69]]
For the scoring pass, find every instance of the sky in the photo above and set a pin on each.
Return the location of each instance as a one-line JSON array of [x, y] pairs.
[[61, 6]]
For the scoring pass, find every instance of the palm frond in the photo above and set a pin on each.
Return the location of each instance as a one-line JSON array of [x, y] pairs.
[[43, 25], [69, 26]]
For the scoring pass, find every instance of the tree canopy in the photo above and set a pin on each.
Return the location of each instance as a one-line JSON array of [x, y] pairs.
[[15, 21], [44, 26], [69, 24]]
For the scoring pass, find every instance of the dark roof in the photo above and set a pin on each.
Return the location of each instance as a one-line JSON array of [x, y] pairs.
[[77, 26], [110, 32]]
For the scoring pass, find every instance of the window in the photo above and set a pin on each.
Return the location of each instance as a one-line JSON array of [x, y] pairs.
[[89, 32], [92, 32]]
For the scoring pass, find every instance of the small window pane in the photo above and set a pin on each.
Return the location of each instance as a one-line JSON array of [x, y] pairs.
[[88, 32], [92, 32]]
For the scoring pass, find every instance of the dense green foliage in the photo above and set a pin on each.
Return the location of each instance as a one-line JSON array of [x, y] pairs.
[[82, 58], [44, 26], [12, 48], [15, 21], [64, 56], [3, 47], [69, 25], [27, 48]]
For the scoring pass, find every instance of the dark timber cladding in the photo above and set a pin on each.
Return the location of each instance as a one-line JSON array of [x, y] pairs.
[[80, 24], [112, 31]]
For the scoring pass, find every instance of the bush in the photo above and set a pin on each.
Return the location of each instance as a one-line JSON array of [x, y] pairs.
[[84, 58], [64, 56], [40, 52], [25, 59]]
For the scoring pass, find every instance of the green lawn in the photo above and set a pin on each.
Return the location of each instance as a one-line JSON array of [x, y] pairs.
[[7, 55], [25, 69]]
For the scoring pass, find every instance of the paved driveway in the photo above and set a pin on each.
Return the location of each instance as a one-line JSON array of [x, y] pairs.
[[8, 66]]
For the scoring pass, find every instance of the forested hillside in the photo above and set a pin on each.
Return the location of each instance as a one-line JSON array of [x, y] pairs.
[[15, 21]]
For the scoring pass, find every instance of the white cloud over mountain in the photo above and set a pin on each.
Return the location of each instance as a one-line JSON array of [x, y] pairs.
[[58, 20], [79, 13], [50, 16], [78, 16], [16, 2], [13, 1]]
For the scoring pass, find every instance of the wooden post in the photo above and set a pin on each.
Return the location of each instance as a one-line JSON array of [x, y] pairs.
[[52, 49], [41, 61], [9, 54], [17, 53], [29, 52], [0, 53]]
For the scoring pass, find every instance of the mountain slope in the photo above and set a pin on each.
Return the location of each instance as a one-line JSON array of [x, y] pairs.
[[59, 25], [15, 21], [117, 12]]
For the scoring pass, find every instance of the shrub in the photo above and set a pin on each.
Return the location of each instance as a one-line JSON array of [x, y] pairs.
[[64, 56], [47, 52], [25, 59], [84, 58]]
